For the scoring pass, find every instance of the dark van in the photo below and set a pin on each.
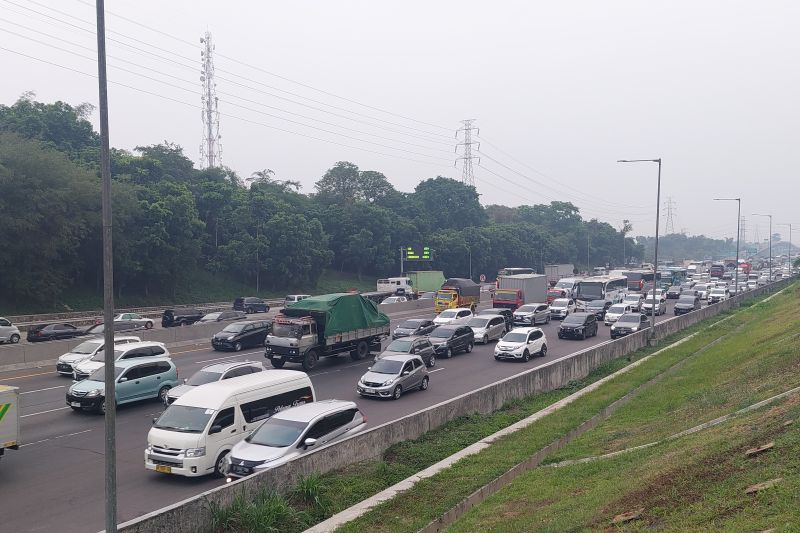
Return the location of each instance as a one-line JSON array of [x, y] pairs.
[[250, 304], [240, 335], [180, 317]]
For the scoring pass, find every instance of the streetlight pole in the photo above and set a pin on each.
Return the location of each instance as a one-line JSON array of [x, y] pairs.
[[790, 241], [738, 234], [658, 216], [769, 260]]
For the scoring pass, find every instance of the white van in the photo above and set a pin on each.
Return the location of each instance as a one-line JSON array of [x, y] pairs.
[[570, 285], [194, 435]]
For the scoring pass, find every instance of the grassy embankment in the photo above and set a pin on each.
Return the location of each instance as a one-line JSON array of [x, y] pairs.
[[322, 496], [200, 288]]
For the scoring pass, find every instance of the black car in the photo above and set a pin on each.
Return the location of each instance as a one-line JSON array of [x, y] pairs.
[[413, 326], [250, 304], [674, 292], [180, 317], [51, 332], [242, 335], [451, 339], [686, 304], [119, 325], [224, 316], [507, 314], [578, 326], [598, 308]]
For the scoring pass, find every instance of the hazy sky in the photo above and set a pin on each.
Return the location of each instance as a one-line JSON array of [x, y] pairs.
[[560, 91]]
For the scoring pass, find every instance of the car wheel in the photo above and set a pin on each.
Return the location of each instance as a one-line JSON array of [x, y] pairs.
[[14, 339], [424, 384], [526, 356], [431, 361], [162, 393], [496, 358], [398, 391], [148, 325], [485, 339], [237, 347], [220, 466], [543, 351], [310, 360], [277, 363], [469, 348], [249, 310], [448, 354], [547, 320]]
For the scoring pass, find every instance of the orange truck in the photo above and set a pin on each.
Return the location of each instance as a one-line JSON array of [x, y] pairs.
[[457, 292]]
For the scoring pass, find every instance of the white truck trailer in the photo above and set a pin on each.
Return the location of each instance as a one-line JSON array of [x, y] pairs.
[[9, 418]]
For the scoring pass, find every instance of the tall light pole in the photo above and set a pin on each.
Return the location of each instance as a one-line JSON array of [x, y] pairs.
[[769, 260], [658, 215], [108, 280], [738, 234], [790, 241]]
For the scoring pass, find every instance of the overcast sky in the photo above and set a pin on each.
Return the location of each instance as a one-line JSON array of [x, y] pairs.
[[560, 91]]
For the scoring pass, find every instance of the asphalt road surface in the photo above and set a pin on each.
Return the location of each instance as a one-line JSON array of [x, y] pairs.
[[55, 481]]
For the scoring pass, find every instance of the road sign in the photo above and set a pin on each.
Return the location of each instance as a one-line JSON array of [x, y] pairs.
[[483, 278], [417, 253]]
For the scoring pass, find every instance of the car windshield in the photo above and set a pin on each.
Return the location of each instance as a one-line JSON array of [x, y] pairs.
[[211, 316], [632, 298], [527, 309], [184, 418], [411, 324], [101, 355], [478, 322], [450, 313], [86, 348], [574, 319], [100, 373], [234, 328], [400, 345], [515, 336], [277, 433], [686, 300], [442, 333], [564, 285], [629, 318], [597, 303], [616, 309], [559, 303], [202, 377], [287, 330], [387, 366]]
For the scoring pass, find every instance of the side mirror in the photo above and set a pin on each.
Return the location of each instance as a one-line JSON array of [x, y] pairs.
[[123, 379], [185, 381], [369, 368], [214, 429], [155, 419], [406, 372], [309, 442]]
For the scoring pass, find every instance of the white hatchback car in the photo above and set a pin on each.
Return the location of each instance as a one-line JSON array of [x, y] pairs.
[[86, 350], [129, 351], [520, 344], [616, 311], [562, 307], [451, 315], [8, 332]]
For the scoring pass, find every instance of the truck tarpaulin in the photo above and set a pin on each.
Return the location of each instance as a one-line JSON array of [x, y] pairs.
[[339, 313], [466, 286]]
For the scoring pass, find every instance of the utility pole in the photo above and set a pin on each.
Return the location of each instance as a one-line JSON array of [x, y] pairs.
[[108, 280], [211, 147], [670, 216], [467, 174], [401, 260], [790, 241], [769, 259]]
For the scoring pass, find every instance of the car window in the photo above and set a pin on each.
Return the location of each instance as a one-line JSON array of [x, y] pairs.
[[416, 363], [157, 350], [4, 322], [497, 321], [224, 418], [133, 373], [262, 408], [151, 369], [535, 335], [423, 344], [644, 318], [236, 372], [320, 428], [408, 367]]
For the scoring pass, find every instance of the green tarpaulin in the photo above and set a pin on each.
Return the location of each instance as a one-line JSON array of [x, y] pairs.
[[338, 313]]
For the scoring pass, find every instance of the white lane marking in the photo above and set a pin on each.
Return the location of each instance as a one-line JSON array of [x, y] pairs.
[[42, 390], [44, 412], [436, 370], [338, 369], [227, 357], [54, 438]]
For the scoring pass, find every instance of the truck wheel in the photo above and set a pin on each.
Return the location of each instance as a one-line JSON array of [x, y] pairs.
[[277, 363], [310, 360], [361, 351]]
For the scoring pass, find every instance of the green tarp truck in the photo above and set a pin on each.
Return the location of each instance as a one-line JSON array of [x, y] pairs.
[[325, 325], [9, 418]]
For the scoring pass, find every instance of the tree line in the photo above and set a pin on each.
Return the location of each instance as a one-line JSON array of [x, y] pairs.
[[172, 219]]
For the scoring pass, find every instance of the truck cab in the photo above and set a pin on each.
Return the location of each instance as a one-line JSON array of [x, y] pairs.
[[401, 286]]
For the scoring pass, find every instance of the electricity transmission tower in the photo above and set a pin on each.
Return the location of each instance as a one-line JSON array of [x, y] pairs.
[[670, 216], [211, 147], [743, 231], [467, 174]]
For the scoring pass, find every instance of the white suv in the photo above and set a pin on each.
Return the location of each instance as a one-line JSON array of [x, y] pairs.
[[520, 344], [85, 351], [129, 351]]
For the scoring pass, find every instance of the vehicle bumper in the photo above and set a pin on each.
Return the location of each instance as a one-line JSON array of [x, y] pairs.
[[278, 353], [375, 392], [527, 321], [221, 345], [177, 465], [65, 369], [558, 314], [84, 402], [615, 334], [571, 334], [508, 355]]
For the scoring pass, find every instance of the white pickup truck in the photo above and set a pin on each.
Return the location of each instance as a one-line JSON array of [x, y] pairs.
[[9, 418]]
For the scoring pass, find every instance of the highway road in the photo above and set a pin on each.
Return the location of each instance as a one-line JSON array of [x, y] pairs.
[[55, 481]]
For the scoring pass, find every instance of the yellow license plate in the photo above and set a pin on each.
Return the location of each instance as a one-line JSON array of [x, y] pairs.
[[164, 469]]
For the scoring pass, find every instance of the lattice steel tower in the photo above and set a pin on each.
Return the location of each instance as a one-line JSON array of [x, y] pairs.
[[211, 147], [670, 216], [467, 174]]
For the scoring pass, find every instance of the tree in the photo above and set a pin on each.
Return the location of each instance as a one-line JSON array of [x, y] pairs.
[[339, 184], [450, 203]]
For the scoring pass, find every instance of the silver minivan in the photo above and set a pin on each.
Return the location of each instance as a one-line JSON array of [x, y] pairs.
[[487, 328]]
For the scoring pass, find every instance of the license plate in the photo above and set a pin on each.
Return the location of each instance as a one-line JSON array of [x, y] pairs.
[[277, 357], [243, 470], [369, 391], [164, 469], [75, 404]]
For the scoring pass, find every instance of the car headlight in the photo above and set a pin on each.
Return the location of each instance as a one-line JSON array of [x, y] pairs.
[[93, 393], [195, 452], [389, 382]]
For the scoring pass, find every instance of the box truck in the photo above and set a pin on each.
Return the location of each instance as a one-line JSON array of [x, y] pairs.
[[9, 418], [515, 291]]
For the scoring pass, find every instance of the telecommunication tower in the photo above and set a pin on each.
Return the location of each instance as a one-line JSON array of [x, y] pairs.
[[467, 174], [211, 147]]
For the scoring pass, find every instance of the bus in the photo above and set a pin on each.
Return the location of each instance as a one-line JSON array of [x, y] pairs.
[[568, 285], [672, 276], [609, 288]]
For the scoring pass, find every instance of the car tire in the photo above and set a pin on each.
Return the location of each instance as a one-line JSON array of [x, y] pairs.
[[220, 466], [526, 356], [249, 310], [361, 351], [431, 362], [277, 364], [496, 358], [398, 391], [266, 309], [448, 354], [163, 392], [310, 360], [485, 339], [547, 320], [148, 325], [469, 347], [14, 339], [424, 384], [237, 347], [543, 351]]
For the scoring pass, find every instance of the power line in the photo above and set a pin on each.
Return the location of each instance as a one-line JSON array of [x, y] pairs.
[[467, 173]]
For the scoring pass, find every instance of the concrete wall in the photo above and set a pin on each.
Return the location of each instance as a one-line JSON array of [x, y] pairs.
[[193, 514]]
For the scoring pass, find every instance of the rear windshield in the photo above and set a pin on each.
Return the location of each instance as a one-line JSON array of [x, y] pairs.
[[202, 377], [686, 300], [575, 319], [277, 433], [386, 366], [478, 322], [399, 345], [629, 318], [443, 333]]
